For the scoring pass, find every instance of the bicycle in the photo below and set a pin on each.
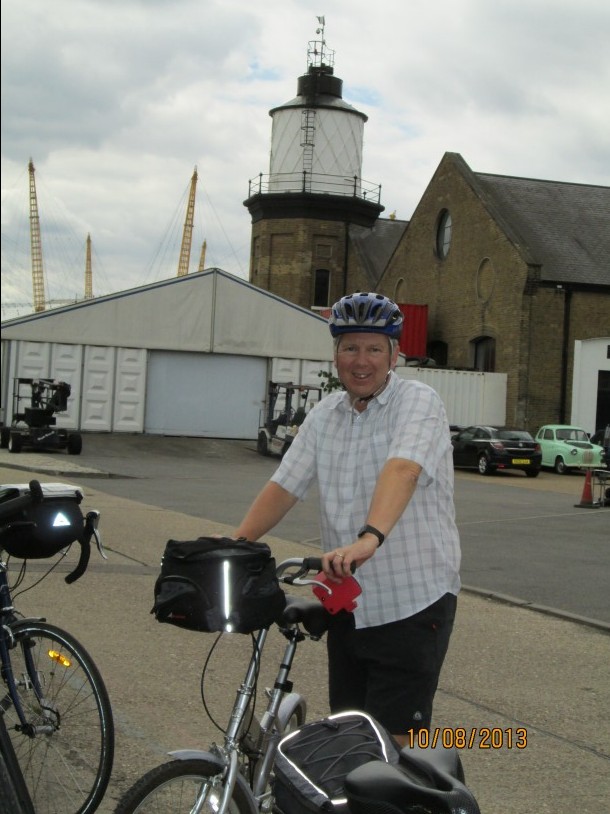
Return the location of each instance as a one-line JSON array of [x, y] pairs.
[[233, 777], [56, 724], [236, 777]]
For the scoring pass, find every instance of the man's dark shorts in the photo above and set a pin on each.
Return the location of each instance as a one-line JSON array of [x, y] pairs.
[[390, 671]]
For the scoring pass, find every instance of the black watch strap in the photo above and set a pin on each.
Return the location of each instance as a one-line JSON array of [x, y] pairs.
[[372, 530]]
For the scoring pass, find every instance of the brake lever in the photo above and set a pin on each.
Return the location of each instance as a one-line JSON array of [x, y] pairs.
[[93, 520], [301, 581]]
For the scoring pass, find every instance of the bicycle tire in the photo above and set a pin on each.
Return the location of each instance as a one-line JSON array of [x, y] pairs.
[[67, 768], [9, 801], [172, 788], [14, 796]]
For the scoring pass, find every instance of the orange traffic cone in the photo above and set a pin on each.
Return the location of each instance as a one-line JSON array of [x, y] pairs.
[[586, 501]]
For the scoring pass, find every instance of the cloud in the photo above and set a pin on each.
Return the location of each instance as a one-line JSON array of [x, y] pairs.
[[117, 102]]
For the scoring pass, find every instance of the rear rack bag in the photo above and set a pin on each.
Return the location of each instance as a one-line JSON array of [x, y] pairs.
[[312, 762]]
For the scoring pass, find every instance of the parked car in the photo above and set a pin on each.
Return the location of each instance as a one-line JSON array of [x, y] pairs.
[[602, 439], [566, 448], [489, 448]]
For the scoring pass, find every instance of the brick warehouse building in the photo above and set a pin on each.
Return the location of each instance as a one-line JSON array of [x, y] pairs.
[[514, 272]]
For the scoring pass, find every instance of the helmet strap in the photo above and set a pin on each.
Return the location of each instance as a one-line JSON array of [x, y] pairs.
[[365, 399]]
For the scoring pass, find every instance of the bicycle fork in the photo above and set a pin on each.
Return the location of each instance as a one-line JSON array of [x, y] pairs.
[[30, 681]]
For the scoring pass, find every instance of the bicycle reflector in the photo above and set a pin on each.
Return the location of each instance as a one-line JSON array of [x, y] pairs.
[[59, 658], [336, 596]]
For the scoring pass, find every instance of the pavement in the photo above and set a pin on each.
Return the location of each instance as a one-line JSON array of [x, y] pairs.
[[527, 693]]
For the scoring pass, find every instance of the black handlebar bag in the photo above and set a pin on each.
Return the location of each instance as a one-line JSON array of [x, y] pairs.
[[312, 762], [42, 529], [218, 584]]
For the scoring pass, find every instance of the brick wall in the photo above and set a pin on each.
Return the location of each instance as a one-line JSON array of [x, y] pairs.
[[286, 253]]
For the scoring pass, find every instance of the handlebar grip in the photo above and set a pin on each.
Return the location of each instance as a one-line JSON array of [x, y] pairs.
[[312, 563], [84, 541], [36, 491], [83, 560], [15, 504], [9, 507], [315, 564]]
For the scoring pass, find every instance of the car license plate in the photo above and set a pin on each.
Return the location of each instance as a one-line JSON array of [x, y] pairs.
[[520, 461]]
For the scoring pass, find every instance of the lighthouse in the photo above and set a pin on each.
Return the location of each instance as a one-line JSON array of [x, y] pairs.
[[302, 209]]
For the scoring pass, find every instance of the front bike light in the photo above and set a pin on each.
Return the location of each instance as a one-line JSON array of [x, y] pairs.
[[59, 658]]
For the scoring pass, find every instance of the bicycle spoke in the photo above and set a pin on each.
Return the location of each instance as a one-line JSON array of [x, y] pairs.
[[65, 750]]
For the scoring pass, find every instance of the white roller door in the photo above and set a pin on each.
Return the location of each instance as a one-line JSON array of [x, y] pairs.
[[205, 395]]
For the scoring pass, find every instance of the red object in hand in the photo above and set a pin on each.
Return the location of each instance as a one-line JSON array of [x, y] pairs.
[[342, 595]]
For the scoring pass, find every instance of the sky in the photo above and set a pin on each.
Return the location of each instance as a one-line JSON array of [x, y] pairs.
[[117, 101]]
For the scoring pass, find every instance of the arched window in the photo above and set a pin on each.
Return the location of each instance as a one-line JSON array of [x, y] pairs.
[[484, 353], [443, 234], [399, 290], [321, 288]]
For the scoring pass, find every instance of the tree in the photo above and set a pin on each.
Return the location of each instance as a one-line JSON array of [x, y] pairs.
[[331, 383]]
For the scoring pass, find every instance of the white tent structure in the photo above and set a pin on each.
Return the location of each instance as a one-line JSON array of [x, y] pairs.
[[191, 356]]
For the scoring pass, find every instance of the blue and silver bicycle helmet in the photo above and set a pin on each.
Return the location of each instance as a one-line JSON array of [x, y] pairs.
[[365, 312]]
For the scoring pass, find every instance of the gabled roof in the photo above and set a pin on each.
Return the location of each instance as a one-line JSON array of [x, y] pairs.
[[210, 311], [561, 227], [375, 246]]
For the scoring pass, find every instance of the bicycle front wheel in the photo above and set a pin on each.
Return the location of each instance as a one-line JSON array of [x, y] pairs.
[[66, 748], [174, 787]]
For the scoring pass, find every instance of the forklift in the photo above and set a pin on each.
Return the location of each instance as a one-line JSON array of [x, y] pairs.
[[285, 410], [35, 403]]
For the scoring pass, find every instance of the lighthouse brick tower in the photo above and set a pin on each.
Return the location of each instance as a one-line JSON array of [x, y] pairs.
[[302, 209]]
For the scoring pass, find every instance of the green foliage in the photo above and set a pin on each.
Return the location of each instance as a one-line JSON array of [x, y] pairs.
[[331, 383]]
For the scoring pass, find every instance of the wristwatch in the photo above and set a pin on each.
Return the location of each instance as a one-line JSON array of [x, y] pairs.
[[372, 530]]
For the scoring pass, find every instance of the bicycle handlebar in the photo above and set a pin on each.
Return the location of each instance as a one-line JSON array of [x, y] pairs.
[[296, 567], [90, 527], [83, 560], [15, 504], [334, 594], [303, 566]]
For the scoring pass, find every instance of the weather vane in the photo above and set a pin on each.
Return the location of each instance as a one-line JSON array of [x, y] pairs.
[[318, 55], [320, 30]]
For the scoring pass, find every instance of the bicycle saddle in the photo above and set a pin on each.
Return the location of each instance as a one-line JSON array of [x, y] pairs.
[[441, 758], [308, 612], [418, 780]]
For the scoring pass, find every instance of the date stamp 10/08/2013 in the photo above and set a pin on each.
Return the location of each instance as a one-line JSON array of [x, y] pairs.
[[485, 737]]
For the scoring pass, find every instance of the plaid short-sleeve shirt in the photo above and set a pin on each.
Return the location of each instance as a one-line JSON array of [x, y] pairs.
[[345, 451]]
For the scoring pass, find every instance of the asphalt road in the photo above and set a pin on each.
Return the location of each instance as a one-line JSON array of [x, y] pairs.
[[507, 667], [521, 538]]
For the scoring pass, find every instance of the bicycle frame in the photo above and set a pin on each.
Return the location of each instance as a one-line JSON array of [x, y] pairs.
[[262, 737], [7, 616]]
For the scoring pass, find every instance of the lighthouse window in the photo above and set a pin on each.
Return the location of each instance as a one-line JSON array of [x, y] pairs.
[[443, 234], [321, 288]]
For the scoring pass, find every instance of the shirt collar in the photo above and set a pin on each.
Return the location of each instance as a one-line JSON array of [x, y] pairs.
[[345, 404]]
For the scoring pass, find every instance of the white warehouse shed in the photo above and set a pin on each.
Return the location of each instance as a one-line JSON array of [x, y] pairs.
[[189, 356]]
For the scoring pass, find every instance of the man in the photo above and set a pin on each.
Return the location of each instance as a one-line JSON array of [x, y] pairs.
[[382, 456]]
